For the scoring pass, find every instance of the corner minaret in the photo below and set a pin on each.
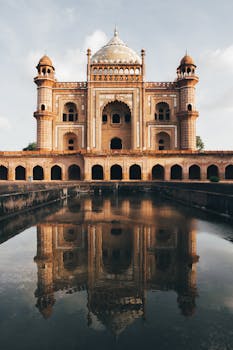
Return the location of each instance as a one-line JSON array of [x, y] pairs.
[[44, 260], [187, 114], [45, 81]]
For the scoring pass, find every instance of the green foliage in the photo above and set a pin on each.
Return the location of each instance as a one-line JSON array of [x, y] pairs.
[[214, 179], [199, 143], [30, 147]]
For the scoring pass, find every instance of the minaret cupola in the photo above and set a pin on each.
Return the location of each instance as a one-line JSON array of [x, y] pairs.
[[45, 68], [186, 68]]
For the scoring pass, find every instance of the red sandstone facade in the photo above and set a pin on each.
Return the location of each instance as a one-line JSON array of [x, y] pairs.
[[116, 126]]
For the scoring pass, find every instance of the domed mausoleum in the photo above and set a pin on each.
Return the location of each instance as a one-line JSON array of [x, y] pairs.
[[116, 125]]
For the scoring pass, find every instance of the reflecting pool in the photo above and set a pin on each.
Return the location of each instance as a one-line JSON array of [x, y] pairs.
[[116, 272]]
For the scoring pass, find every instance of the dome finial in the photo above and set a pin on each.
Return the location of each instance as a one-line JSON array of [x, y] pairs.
[[115, 31]]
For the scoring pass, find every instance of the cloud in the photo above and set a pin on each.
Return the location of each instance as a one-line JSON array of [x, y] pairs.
[[220, 60], [71, 66], [216, 71], [4, 124], [95, 41]]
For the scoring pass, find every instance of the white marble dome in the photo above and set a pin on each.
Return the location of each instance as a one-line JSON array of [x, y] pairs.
[[116, 51]]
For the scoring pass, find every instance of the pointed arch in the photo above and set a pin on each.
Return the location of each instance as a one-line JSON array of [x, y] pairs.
[[163, 141], [97, 172], [135, 172], [20, 173], [56, 172], [229, 172], [74, 172], [176, 172], [212, 170], [3, 172], [70, 141], [194, 172], [116, 172], [38, 173], [70, 112], [162, 111], [116, 125], [158, 172]]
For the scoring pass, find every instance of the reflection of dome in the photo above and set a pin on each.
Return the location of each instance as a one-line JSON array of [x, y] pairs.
[[116, 51], [187, 60], [116, 309]]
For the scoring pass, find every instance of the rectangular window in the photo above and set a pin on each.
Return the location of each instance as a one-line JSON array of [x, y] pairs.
[[64, 117]]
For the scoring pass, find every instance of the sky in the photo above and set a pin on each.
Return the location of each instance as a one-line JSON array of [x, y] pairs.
[[64, 29]]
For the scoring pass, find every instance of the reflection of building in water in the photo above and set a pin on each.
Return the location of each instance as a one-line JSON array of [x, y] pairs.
[[116, 251]]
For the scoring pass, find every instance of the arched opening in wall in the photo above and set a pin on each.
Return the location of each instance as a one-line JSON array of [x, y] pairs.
[[163, 141], [43, 107], [97, 172], [116, 143], [162, 111], [229, 172], [70, 141], [70, 112], [194, 172], [116, 124], [116, 172], [20, 173], [38, 173], [212, 170], [176, 172], [135, 172], [189, 107], [56, 173], [74, 172], [3, 173], [158, 172]]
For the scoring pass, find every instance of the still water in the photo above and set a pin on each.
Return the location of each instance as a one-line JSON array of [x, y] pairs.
[[116, 272]]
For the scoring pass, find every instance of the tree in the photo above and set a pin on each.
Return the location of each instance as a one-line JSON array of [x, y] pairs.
[[30, 147], [199, 143]]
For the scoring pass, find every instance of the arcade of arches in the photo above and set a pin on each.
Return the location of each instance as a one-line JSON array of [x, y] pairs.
[[157, 172]]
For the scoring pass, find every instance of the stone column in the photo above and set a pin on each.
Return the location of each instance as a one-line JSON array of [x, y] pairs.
[[167, 172]]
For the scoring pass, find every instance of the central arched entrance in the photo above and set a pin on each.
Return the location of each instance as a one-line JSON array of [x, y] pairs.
[[116, 172], [116, 126]]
